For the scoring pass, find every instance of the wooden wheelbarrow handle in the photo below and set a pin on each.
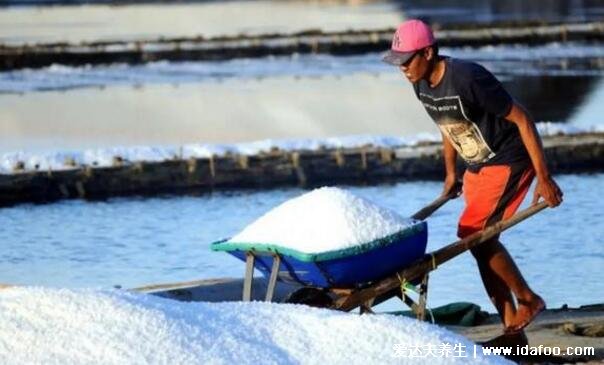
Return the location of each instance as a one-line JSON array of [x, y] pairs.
[[432, 261], [427, 211]]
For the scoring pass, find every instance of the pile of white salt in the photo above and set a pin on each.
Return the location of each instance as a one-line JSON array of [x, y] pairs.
[[61, 326], [322, 220]]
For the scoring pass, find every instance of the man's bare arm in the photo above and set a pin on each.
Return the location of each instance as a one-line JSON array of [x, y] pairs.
[[546, 186], [450, 157]]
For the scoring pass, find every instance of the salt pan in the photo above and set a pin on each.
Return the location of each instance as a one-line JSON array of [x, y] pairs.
[[59, 326], [322, 220], [105, 157]]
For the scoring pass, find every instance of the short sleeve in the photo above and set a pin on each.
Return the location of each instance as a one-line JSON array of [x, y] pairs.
[[416, 89], [488, 93]]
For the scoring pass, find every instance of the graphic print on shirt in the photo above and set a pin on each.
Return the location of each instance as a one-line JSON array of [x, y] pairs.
[[464, 135]]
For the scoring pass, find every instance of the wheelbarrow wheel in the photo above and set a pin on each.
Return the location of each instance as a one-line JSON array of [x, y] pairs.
[[313, 297]]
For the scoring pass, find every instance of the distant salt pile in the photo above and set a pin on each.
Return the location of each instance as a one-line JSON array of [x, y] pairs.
[[323, 220], [58, 326]]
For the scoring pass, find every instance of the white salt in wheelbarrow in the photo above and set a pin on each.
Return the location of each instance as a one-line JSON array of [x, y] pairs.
[[366, 275]]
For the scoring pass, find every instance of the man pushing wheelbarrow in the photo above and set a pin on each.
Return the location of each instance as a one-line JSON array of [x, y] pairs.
[[500, 145]]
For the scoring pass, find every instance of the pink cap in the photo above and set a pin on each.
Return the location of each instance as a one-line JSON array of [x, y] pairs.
[[410, 37]]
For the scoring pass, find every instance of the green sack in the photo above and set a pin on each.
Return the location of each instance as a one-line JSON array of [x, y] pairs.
[[458, 314]]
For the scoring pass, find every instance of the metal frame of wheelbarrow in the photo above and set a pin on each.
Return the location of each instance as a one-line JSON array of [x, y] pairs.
[[347, 299]]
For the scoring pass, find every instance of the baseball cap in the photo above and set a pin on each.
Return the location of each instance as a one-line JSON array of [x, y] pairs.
[[411, 36]]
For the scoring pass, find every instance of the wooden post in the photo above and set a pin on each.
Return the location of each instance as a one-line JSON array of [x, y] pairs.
[[80, 189], [87, 171], [243, 161], [139, 166], [192, 165], [386, 155], [364, 158], [212, 167], [339, 156], [295, 157]]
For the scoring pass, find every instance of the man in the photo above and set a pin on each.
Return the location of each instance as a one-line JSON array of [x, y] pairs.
[[501, 147]]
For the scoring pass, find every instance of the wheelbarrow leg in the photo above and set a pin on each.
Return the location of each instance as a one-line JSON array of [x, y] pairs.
[[272, 282], [249, 276], [423, 297], [418, 308], [410, 303], [366, 307]]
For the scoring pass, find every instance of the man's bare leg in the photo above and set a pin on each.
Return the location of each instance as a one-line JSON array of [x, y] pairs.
[[496, 288], [501, 277]]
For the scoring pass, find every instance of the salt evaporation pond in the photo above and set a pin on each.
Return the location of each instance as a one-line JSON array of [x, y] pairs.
[[134, 242], [505, 61], [43, 326]]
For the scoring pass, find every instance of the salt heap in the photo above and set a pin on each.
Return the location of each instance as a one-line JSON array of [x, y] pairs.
[[60, 326], [322, 220]]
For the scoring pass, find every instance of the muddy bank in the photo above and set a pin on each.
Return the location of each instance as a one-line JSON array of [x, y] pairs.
[[370, 164]]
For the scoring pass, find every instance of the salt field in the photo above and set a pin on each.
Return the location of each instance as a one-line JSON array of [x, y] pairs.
[[64, 265], [276, 98], [507, 61], [134, 242], [62, 108]]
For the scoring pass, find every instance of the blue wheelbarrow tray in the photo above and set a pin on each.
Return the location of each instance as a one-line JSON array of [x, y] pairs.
[[344, 268]]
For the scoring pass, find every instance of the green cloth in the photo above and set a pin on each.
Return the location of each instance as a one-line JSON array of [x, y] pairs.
[[458, 314]]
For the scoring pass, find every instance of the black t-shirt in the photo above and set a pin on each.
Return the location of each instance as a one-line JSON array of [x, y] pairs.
[[469, 106]]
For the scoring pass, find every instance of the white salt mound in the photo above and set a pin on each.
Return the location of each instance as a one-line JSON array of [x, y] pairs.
[[59, 326], [323, 220]]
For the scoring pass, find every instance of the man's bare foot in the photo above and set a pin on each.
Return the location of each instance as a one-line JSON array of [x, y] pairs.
[[526, 312]]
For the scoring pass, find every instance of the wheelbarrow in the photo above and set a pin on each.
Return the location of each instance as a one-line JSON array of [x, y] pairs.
[[375, 273]]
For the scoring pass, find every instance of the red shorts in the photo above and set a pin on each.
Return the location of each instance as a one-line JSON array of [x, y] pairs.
[[492, 194]]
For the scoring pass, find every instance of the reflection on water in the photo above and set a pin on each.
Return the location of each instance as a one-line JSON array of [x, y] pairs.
[[592, 111], [490, 11], [554, 99]]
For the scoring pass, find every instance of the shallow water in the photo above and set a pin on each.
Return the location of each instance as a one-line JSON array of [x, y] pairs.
[[553, 81], [490, 11], [62, 108], [508, 62], [133, 242]]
